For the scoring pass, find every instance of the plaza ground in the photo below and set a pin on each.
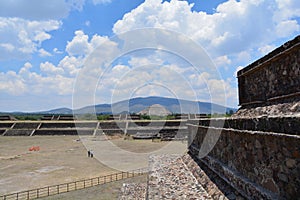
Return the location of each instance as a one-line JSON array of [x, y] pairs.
[[64, 159]]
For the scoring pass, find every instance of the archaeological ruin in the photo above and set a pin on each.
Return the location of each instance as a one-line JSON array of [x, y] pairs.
[[253, 155]]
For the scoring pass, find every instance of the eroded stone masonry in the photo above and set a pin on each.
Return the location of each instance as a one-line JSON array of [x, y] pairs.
[[258, 149]]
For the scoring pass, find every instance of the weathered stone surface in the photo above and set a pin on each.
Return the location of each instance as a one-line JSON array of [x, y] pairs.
[[288, 124], [135, 191], [290, 163], [272, 79], [169, 178], [216, 187], [266, 159]]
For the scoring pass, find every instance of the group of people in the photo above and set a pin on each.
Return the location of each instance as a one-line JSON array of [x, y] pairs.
[[90, 154]]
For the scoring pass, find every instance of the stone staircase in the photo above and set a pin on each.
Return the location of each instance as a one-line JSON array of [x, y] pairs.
[[169, 178], [179, 177]]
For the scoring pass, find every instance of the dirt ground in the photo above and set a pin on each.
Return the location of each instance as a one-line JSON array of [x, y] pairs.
[[108, 191], [64, 159]]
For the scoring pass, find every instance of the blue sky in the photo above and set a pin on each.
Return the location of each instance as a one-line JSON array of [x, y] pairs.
[[45, 46]]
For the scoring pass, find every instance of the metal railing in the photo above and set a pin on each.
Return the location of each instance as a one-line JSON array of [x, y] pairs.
[[72, 186]]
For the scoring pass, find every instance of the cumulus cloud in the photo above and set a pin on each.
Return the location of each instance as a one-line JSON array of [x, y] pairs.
[[49, 68], [31, 83], [20, 38], [234, 27], [44, 53], [81, 46], [54, 79]]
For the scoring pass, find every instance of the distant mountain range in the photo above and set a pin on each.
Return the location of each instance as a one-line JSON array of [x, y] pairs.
[[135, 105]]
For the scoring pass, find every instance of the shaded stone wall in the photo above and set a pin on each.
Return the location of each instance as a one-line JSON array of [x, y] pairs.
[[284, 124], [269, 160], [275, 78]]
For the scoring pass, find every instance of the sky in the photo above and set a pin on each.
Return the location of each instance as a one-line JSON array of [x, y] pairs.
[[71, 53]]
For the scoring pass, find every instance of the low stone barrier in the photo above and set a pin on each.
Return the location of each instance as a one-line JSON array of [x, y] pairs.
[[63, 132], [112, 125], [6, 125], [284, 124], [168, 129], [258, 164], [18, 132], [26, 125]]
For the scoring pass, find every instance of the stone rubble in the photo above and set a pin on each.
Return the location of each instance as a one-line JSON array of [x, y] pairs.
[[135, 191], [281, 109], [169, 178]]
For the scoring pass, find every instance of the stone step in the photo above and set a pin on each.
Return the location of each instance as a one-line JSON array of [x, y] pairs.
[[169, 178]]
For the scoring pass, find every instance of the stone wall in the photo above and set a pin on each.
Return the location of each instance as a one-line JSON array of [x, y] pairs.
[[168, 129], [275, 78], [258, 164], [284, 124], [62, 132]]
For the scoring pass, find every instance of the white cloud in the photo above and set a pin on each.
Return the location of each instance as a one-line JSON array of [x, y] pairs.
[[79, 46], [31, 83], [266, 49], [222, 61], [7, 46], [144, 60], [71, 65], [55, 50], [287, 28], [235, 26], [11, 83], [20, 38], [44, 53], [49, 68]]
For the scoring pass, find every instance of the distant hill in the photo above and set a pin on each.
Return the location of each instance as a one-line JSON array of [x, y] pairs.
[[58, 111], [136, 105]]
